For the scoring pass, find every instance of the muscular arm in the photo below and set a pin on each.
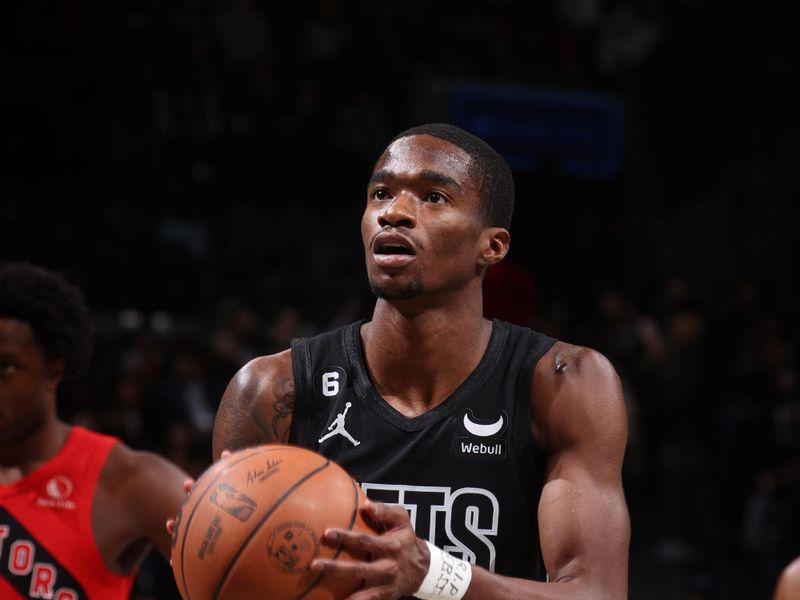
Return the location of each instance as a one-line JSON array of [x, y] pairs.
[[257, 405], [579, 418], [584, 525]]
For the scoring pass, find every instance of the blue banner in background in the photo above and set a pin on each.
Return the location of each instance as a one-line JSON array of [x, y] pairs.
[[578, 132]]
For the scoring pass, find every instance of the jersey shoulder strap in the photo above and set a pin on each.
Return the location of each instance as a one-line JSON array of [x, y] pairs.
[[321, 367]]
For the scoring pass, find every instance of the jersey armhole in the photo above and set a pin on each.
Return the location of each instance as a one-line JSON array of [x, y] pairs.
[[301, 375]]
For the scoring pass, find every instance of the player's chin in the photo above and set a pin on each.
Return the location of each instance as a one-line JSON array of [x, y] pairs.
[[396, 288]]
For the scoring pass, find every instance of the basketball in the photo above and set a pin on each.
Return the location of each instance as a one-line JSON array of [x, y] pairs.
[[254, 521]]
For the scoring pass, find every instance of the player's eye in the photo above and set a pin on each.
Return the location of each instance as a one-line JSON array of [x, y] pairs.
[[6, 368], [380, 193], [436, 198]]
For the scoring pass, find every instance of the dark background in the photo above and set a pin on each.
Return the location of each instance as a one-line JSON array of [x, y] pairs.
[[199, 168]]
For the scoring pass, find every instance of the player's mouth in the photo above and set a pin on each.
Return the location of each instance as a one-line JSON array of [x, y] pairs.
[[392, 250]]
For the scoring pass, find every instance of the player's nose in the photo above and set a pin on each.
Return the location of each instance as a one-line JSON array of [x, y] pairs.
[[399, 212]]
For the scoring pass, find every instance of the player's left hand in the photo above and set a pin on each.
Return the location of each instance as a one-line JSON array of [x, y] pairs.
[[399, 559], [188, 484]]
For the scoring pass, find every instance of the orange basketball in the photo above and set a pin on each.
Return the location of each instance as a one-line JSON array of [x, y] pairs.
[[254, 521]]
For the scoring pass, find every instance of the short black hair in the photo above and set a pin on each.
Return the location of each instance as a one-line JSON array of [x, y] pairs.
[[488, 168], [55, 310]]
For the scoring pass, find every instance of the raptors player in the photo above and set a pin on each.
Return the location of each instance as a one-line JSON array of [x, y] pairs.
[[492, 453], [78, 510]]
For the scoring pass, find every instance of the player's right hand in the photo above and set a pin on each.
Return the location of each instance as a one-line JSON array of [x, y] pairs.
[[398, 561], [187, 487]]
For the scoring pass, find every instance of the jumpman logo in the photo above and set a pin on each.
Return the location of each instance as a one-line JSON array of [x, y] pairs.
[[337, 427]]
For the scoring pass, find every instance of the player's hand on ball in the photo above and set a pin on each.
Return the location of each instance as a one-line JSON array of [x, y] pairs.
[[399, 559], [187, 487]]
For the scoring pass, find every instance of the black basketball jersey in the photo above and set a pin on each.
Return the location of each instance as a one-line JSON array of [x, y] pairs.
[[468, 471]]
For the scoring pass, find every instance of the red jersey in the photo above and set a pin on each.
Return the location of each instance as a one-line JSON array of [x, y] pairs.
[[47, 547]]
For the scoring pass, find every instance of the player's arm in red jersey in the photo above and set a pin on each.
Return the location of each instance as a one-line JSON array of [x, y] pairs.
[[137, 492]]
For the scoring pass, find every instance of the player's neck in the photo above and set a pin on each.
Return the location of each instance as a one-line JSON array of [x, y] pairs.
[[24, 455], [417, 359]]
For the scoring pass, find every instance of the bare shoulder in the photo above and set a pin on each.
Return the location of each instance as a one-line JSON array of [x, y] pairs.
[[257, 405], [577, 396], [567, 363], [788, 587], [272, 365]]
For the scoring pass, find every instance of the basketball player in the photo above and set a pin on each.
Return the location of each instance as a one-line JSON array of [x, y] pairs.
[[497, 444], [78, 510], [788, 587]]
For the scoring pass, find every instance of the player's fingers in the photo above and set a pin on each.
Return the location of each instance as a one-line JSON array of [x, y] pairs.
[[375, 545], [187, 486], [170, 530], [225, 454], [337, 568], [375, 594], [387, 515], [379, 593], [371, 573]]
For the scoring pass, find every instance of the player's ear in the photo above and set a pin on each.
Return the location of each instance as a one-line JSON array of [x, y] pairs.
[[494, 245], [55, 371]]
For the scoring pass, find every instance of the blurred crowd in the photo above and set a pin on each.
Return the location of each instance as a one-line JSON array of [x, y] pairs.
[[198, 169]]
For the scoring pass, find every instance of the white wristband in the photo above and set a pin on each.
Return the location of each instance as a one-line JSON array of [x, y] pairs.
[[448, 577]]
